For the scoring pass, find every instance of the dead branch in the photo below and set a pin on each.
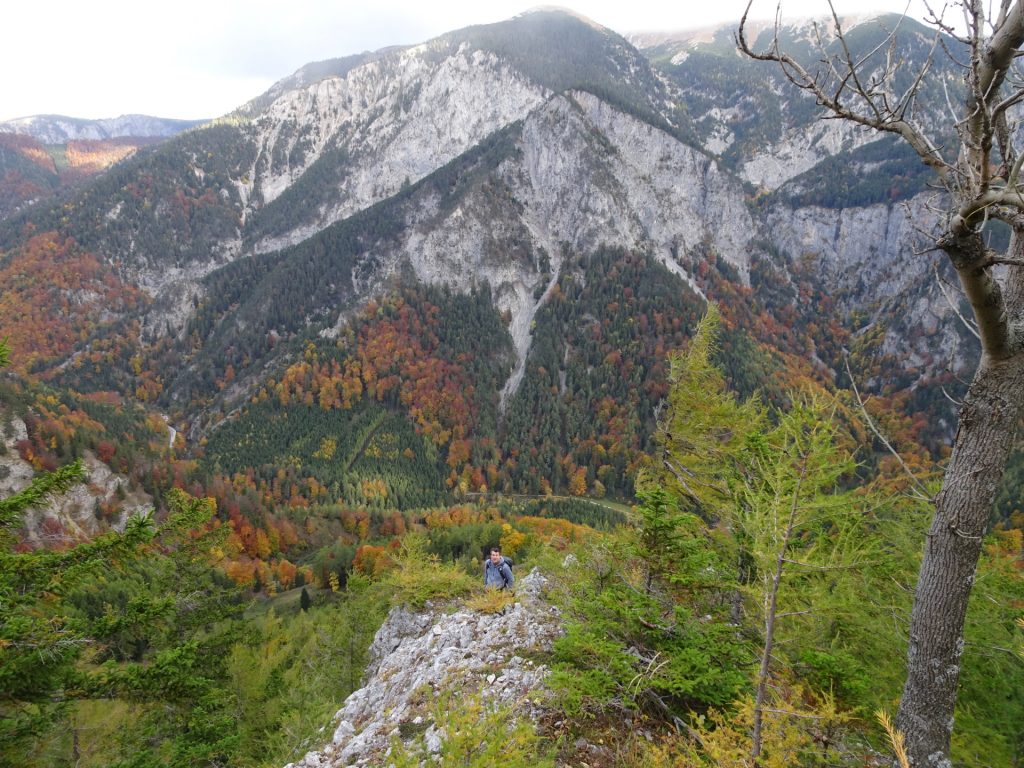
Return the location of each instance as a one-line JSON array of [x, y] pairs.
[[922, 492], [945, 288], [844, 80]]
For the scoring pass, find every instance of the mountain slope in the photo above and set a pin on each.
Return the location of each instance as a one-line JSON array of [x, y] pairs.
[[574, 175], [509, 156], [763, 128]]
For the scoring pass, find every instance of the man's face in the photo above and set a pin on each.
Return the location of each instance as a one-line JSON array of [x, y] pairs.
[[495, 557]]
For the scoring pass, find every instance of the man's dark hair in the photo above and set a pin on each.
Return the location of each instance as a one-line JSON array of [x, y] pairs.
[[493, 548]]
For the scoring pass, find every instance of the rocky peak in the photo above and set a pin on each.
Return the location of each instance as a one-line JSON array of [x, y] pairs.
[[387, 122], [418, 654]]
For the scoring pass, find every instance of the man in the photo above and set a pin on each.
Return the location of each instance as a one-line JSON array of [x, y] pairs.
[[496, 570]]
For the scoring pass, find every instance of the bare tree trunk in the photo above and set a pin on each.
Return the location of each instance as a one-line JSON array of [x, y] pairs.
[[766, 654], [987, 429]]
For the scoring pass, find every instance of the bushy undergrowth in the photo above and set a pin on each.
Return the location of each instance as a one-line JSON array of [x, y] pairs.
[[292, 671], [284, 677], [419, 576], [490, 600], [629, 646]]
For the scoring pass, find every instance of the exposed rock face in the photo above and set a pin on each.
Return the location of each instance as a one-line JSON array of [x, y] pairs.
[[870, 252], [15, 472], [396, 120], [415, 654], [584, 174], [70, 517], [800, 150]]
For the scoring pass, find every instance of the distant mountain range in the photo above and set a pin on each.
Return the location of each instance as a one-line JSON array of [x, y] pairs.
[[60, 129], [44, 154]]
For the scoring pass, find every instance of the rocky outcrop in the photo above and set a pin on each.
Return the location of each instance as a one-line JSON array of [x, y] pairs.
[[416, 655], [69, 517]]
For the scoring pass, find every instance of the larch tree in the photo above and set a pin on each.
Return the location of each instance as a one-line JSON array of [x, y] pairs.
[[979, 172], [778, 482]]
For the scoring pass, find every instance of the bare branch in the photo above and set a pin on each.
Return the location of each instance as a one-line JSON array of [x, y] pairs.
[[1004, 7], [796, 714], [847, 81], [677, 473], [944, 287], [813, 567], [1008, 102], [922, 491], [1011, 179], [912, 91], [983, 204], [953, 400]]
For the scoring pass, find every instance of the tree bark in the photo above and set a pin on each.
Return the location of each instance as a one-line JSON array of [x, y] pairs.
[[987, 427]]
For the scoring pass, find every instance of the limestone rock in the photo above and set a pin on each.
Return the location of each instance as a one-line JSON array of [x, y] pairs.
[[417, 654]]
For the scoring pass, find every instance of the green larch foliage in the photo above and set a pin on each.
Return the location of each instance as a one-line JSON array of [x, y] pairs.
[[705, 432]]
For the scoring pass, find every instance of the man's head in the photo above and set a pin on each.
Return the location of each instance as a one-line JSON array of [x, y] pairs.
[[494, 553]]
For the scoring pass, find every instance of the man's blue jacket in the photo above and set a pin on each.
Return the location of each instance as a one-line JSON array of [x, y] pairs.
[[499, 575]]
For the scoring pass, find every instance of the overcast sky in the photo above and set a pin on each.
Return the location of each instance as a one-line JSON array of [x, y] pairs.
[[202, 58]]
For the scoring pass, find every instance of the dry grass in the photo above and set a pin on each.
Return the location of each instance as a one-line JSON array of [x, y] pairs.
[[491, 600]]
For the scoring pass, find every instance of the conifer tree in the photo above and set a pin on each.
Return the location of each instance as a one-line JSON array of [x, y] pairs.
[[774, 485]]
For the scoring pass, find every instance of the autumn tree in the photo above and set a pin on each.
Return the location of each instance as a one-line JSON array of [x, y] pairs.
[[979, 173]]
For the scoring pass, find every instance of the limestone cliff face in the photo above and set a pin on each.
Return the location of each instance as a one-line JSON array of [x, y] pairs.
[[395, 120], [416, 655], [876, 260], [584, 174]]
